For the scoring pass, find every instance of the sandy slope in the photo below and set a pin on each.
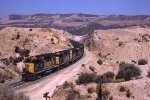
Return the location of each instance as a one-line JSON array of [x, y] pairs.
[[49, 84], [125, 44], [105, 43], [36, 40]]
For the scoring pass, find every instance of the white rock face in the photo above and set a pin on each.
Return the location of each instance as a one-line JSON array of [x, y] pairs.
[[122, 44], [37, 40]]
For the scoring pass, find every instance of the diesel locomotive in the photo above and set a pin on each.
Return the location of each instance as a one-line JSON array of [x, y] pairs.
[[41, 65]]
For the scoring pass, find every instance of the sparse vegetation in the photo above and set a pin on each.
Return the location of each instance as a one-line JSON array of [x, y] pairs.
[[134, 61], [98, 78], [146, 37], [142, 62], [22, 52], [108, 77], [100, 62], [52, 40], [148, 75], [16, 60], [86, 78], [91, 90], [72, 95], [127, 71], [92, 68], [122, 89], [8, 94], [120, 44], [67, 84], [128, 93], [30, 29], [18, 36], [83, 65], [105, 94], [1, 79]]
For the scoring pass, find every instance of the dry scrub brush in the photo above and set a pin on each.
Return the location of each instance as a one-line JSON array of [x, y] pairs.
[[142, 62], [127, 71], [8, 94], [86, 78]]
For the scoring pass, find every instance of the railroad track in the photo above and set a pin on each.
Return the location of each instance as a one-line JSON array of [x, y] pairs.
[[17, 84]]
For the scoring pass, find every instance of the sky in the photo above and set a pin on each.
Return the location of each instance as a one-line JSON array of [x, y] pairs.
[[98, 7]]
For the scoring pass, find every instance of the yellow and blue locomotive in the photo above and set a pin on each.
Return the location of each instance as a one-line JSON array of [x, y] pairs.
[[41, 65]]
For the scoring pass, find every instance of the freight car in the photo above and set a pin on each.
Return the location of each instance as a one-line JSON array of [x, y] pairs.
[[41, 65]]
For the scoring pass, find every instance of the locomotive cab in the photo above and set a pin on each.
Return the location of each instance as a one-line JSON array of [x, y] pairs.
[[29, 68]]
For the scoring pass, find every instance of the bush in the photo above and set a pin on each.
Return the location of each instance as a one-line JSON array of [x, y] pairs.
[[86, 78], [83, 65], [17, 60], [30, 29], [2, 79], [8, 94], [98, 78], [100, 62], [142, 62], [148, 74], [128, 94], [18, 36], [92, 68], [72, 95], [122, 89], [108, 77], [91, 90], [67, 84], [127, 71], [105, 94]]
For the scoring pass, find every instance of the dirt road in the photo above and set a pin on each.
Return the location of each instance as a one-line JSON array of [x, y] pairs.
[[48, 84]]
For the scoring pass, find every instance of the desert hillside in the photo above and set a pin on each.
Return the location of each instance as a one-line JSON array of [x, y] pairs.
[[17, 43], [122, 57], [75, 23], [127, 44]]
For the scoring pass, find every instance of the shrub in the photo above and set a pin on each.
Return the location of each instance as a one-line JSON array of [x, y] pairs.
[[72, 95], [8, 94], [120, 44], [83, 65], [1, 79], [122, 89], [98, 78], [86, 78], [134, 61], [148, 74], [108, 77], [142, 62], [92, 68], [17, 49], [17, 60], [128, 94], [105, 94], [91, 90], [30, 29], [18, 36], [127, 71], [67, 84], [100, 62]]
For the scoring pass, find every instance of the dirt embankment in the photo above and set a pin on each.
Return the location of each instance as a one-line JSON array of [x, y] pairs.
[[112, 47], [17, 43], [128, 44]]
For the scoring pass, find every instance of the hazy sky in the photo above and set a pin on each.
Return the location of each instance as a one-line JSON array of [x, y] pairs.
[[99, 7]]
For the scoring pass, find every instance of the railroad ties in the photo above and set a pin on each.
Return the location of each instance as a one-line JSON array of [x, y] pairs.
[[17, 84]]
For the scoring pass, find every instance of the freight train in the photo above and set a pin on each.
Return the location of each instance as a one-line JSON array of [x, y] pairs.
[[41, 65]]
